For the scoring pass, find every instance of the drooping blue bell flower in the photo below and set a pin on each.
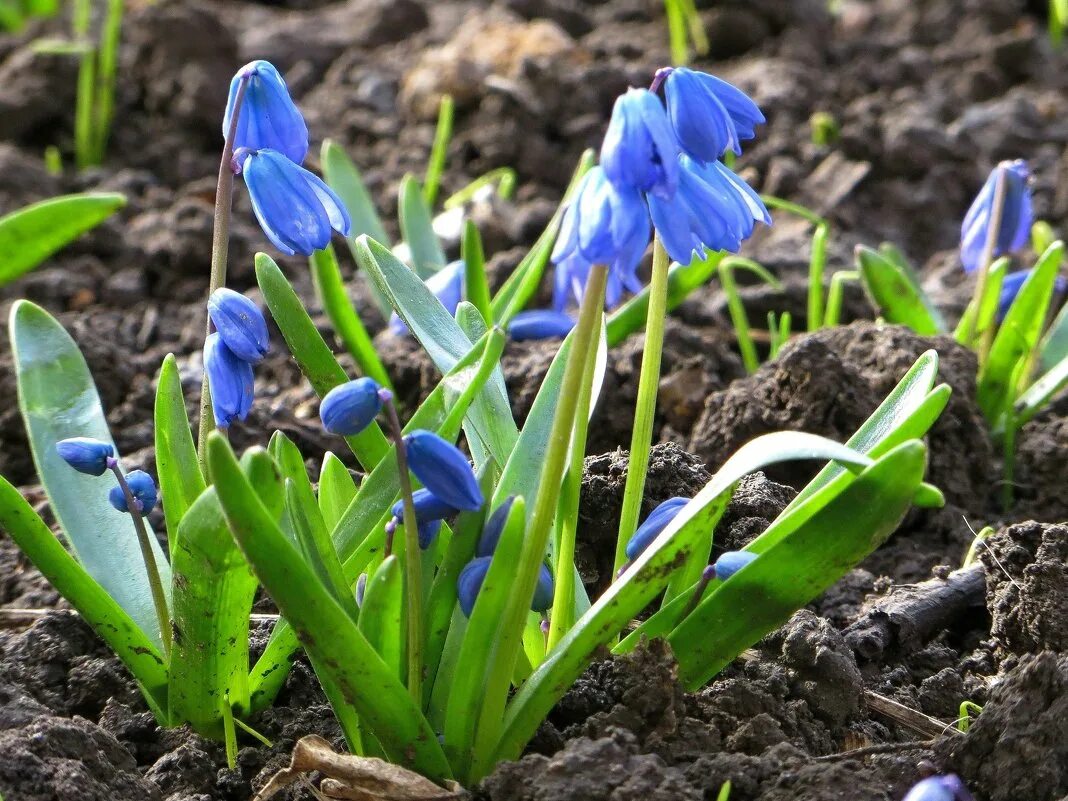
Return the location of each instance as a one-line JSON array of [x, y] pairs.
[[469, 583], [86, 455], [713, 210], [295, 209], [428, 532], [240, 324], [349, 408], [443, 469], [269, 118], [447, 284], [231, 382], [639, 151], [939, 788], [543, 591], [491, 531], [709, 116], [657, 521], [540, 324], [1017, 216], [428, 506], [143, 489], [731, 562]]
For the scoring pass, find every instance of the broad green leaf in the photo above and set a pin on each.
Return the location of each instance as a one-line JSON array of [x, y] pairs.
[[476, 288], [896, 294], [180, 480], [382, 614], [340, 651], [988, 306], [336, 489], [313, 541], [1055, 342], [1040, 393], [30, 235], [417, 228], [58, 400], [311, 352]]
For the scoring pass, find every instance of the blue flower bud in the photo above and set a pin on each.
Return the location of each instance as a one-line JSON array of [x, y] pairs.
[[731, 562], [543, 591], [361, 589], [639, 151], [349, 408], [295, 209], [656, 522], [86, 455], [447, 284], [240, 324], [269, 118], [939, 788], [470, 581], [428, 506], [491, 531], [143, 489], [1011, 285], [230, 380], [1017, 216], [443, 469], [709, 116], [540, 324], [428, 532]]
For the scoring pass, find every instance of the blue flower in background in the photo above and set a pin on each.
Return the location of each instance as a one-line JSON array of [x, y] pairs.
[[443, 469], [231, 382], [447, 284], [709, 116], [142, 487], [731, 562], [939, 788], [657, 521], [428, 532], [1017, 215], [240, 324], [428, 506], [269, 118], [639, 150], [714, 209], [86, 455], [295, 209], [349, 408], [491, 531], [474, 573], [1011, 285], [540, 324]]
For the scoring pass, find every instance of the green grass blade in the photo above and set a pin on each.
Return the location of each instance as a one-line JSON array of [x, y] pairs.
[[1040, 393], [30, 235], [104, 99], [382, 614], [1054, 347], [180, 479], [336, 489], [417, 228], [896, 294], [476, 288], [313, 541], [436, 163]]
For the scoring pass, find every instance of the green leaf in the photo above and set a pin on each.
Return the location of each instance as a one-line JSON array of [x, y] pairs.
[[988, 306], [109, 620], [340, 651], [311, 352], [180, 479], [896, 294], [1040, 393], [1054, 348], [436, 163], [476, 288], [417, 228], [30, 235], [58, 400], [382, 614], [796, 569], [336, 489], [313, 540]]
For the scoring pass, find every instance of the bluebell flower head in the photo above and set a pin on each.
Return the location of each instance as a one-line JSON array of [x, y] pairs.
[[349, 408], [731, 562], [540, 324], [143, 489], [639, 151], [1011, 285], [1017, 216], [447, 284], [709, 116], [269, 118], [491, 531], [86, 455], [443, 469], [714, 209], [240, 324], [939, 788], [470, 581], [428, 506], [295, 209], [428, 532], [543, 591], [656, 522], [231, 382]]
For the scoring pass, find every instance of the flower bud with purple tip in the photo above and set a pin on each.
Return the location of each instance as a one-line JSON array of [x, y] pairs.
[[491, 531], [349, 408], [86, 455], [240, 324], [443, 469], [143, 489], [231, 382], [474, 573], [268, 118], [657, 521], [540, 324], [543, 591], [731, 562], [428, 532], [428, 506]]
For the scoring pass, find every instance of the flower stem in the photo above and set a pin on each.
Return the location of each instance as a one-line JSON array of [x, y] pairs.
[[997, 212], [645, 407], [412, 567], [220, 247], [738, 316], [154, 582]]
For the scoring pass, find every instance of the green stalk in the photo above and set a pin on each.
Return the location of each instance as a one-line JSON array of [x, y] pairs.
[[997, 212], [835, 296], [104, 100], [676, 21], [436, 165], [645, 406], [476, 288], [738, 316], [816, 266], [83, 110]]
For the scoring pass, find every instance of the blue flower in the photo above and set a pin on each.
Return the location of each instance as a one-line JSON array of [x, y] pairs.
[[639, 151], [295, 209], [939, 788], [86, 455], [230, 380], [443, 469], [349, 408], [543, 591], [447, 284], [143, 489], [714, 209], [1011, 285], [240, 324], [269, 119], [540, 324], [491, 531], [731, 562], [427, 507], [474, 573], [428, 532], [1016, 217], [656, 522], [709, 116]]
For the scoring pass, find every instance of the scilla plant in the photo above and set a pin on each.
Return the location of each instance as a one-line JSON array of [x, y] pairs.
[[437, 600]]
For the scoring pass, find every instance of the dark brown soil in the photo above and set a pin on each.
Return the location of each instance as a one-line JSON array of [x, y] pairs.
[[928, 94]]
